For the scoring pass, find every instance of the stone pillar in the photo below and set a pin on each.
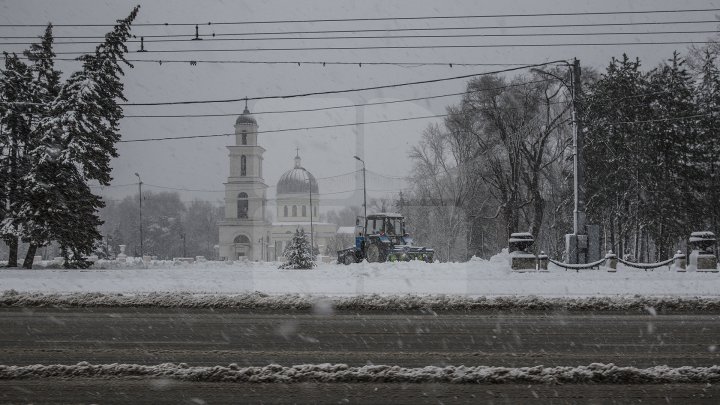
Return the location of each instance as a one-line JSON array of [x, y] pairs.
[[520, 258], [542, 261], [702, 257], [611, 259], [680, 262]]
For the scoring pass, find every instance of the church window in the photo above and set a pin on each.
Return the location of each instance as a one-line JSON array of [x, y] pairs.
[[304, 211], [242, 205], [241, 239], [294, 210], [243, 165], [285, 210], [244, 137]]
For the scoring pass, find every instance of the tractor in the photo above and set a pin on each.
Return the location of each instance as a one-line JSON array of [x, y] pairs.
[[383, 238]]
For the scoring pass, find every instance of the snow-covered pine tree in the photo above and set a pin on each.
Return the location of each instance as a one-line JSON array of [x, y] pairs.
[[298, 254], [708, 103], [76, 143], [613, 104], [45, 87], [674, 205], [16, 125]]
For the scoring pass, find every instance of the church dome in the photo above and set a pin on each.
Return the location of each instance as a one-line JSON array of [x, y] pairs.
[[295, 181], [246, 118]]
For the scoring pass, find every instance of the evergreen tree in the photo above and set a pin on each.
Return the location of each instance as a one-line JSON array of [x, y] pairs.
[[298, 254], [612, 140], [708, 105], [77, 140], [673, 204], [17, 120]]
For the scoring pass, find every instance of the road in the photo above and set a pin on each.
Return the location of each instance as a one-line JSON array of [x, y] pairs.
[[412, 339]]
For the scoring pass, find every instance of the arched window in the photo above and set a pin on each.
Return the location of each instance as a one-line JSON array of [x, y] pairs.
[[244, 137], [304, 211], [294, 210], [241, 239], [243, 165], [285, 210], [242, 205]]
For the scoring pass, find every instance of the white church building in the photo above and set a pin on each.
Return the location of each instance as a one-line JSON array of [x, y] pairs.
[[246, 232]]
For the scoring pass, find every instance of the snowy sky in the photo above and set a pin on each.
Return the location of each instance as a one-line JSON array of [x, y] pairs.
[[201, 164]]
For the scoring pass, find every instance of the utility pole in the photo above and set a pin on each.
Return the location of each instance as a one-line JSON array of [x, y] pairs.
[[142, 253], [364, 196], [312, 242]]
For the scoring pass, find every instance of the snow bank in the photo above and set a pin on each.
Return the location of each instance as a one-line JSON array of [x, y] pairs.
[[475, 278], [340, 373], [258, 300]]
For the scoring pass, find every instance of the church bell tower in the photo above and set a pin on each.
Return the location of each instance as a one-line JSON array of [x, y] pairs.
[[244, 231]]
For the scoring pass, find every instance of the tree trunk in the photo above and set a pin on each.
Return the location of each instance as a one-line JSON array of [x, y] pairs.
[[30, 256], [12, 243]]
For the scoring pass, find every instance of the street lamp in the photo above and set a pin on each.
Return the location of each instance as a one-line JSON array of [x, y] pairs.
[[364, 196], [578, 141], [182, 236], [312, 245], [140, 198], [575, 253]]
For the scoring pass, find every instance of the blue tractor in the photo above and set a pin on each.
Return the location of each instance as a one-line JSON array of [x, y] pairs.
[[383, 238]]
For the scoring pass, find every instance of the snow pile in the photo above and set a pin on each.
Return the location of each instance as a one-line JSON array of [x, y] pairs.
[[340, 373], [258, 300], [475, 278]]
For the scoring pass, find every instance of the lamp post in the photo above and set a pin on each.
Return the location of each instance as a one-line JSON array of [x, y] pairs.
[[182, 236], [309, 180], [142, 253], [364, 197], [579, 225]]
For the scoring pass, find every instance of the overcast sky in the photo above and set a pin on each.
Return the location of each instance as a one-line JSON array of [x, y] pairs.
[[201, 164]]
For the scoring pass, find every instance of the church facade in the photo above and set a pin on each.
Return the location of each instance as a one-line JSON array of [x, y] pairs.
[[246, 233]]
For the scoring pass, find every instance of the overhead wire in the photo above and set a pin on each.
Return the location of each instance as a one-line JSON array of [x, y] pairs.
[[390, 37], [364, 30], [343, 106], [350, 90], [366, 19], [355, 48]]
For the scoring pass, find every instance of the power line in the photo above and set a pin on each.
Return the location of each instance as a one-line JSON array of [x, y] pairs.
[[391, 37], [343, 106], [485, 27], [347, 90], [356, 48], [376, 122], [285, 129], [451, 17], [303, 62]]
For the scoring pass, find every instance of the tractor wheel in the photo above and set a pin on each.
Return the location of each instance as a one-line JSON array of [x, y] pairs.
[[374, 254], [349, 259]]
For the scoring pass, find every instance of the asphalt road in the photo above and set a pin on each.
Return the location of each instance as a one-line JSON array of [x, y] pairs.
[[412, 339]]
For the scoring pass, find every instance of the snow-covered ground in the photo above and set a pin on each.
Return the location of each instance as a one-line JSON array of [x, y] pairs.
[[476, 278]]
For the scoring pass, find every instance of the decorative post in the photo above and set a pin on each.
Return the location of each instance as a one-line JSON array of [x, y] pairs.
[[611, 258], [542, 261], [680, 262]]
